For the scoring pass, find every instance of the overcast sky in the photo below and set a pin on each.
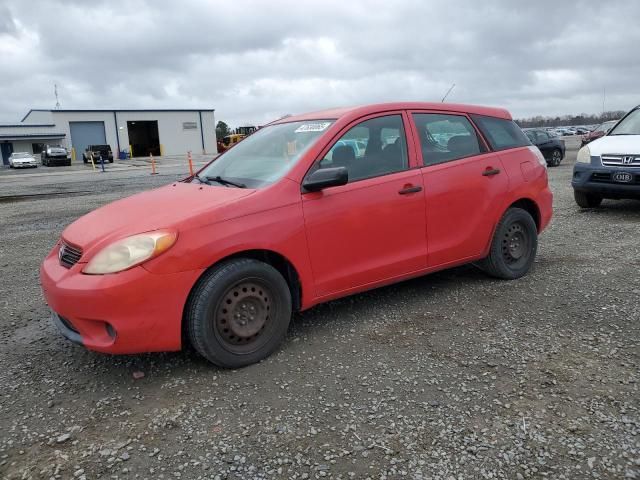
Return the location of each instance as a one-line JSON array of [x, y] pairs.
[[254, 61]]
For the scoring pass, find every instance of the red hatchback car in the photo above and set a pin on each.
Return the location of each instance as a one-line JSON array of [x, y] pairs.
[[307, 209]]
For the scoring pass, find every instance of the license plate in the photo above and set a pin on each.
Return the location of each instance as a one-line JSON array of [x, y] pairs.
[[623, 177]]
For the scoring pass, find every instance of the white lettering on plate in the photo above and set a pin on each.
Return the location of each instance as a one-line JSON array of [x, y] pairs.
[[313, 127]]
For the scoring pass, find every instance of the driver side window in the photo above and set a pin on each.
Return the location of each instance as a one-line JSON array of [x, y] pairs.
[[372, 148]]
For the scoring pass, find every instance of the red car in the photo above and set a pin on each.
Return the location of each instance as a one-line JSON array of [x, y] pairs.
[[308, 209], [600, 131]]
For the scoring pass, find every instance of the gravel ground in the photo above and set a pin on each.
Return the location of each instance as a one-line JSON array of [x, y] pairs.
[[450, 376]]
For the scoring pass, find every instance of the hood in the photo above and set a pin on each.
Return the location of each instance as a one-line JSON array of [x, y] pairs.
[[165, 207], [616, 144]]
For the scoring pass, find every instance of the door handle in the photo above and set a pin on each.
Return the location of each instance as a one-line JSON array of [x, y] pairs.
[[491, 171], [410, 189]]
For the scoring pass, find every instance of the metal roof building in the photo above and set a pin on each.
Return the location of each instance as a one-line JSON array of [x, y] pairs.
[[139, 132]]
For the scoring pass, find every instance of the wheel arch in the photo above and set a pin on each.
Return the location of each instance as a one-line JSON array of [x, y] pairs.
[[278, 261], [529, 206]]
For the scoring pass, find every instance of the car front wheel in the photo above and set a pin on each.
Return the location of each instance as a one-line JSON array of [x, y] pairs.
[[238, 313], [587, 200], [514, 245]]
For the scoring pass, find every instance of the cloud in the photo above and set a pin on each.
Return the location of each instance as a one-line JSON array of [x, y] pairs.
[[253, 61]]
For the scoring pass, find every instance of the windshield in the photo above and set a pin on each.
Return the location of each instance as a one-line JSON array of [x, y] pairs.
[[100, 147], [630, 125], [21, 155], [267, 155]]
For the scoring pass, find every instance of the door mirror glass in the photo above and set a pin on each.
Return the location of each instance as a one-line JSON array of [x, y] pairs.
[[325, 178]]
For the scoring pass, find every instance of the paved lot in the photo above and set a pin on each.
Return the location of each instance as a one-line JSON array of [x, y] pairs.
[[450, 376]]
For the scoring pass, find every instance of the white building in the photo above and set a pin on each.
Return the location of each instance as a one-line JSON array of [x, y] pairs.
[[140, 132]]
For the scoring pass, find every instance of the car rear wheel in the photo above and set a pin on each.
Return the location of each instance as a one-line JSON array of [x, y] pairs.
[[238, 313], [514, 245], [587, 200], [556, 157]]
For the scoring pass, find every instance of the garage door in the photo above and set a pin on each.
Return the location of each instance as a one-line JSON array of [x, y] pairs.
[[86, 133]]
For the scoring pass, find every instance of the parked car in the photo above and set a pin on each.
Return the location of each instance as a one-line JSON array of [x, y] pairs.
[[96, 152], [273, 225], [582, 130], [55, 155], [598, 132], [22, 160], [609, 167], [552, 148]]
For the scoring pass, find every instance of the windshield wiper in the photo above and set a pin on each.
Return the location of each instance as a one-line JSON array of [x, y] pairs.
[[224, 181], [618, 134], [200, 179]]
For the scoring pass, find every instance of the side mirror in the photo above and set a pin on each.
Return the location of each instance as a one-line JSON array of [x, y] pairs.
[[326, 177]]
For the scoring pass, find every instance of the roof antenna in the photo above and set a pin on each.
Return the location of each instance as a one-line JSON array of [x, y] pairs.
[[447, 94], [55, 91]]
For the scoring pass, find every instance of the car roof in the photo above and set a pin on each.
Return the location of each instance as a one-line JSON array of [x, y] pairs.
[[362, 110]]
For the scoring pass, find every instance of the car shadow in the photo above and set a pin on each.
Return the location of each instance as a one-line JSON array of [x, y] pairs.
[[159, 368], [613, 207]]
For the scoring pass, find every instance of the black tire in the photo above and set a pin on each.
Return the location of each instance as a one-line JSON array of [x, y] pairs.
[[238, 313], [514, 245], [587, 200], [84, 158], [111, 160], [556, 157], [45, 162], [68, 164]]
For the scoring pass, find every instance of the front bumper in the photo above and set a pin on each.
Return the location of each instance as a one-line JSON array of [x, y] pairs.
[[58, 161], [24, 164], [597, 179], [134, 311]]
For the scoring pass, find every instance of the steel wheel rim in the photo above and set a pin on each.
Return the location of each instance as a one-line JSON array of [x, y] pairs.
[[515, 244], [243, 316]]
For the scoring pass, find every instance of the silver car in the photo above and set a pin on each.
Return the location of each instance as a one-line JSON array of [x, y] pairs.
[[22, 160]]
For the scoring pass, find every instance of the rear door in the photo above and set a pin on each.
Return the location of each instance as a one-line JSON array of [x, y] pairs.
[[464, 183], [372, 228]]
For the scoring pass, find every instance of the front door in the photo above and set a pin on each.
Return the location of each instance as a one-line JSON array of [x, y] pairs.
[[372, 228], [463, 183], [7, 150]]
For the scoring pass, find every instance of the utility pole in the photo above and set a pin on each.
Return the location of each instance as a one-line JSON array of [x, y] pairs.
[[447, 94], [55, 91]]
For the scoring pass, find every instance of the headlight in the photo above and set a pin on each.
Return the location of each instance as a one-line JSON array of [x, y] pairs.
[[584, 155], [130, 251]]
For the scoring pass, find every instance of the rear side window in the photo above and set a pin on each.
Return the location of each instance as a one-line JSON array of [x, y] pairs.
[[501, 133], [445, 137]]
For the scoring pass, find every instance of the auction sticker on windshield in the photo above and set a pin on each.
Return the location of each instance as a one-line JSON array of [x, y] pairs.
[[312, 127]]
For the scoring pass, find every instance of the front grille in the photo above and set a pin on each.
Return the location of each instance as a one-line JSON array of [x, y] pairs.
[[69, 255], [619, 160]]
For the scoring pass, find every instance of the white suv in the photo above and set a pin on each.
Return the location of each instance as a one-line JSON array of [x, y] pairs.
[[609, 167]]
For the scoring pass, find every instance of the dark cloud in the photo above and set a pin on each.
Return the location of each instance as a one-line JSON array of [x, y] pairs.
[[7, 24], [254, 60]]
